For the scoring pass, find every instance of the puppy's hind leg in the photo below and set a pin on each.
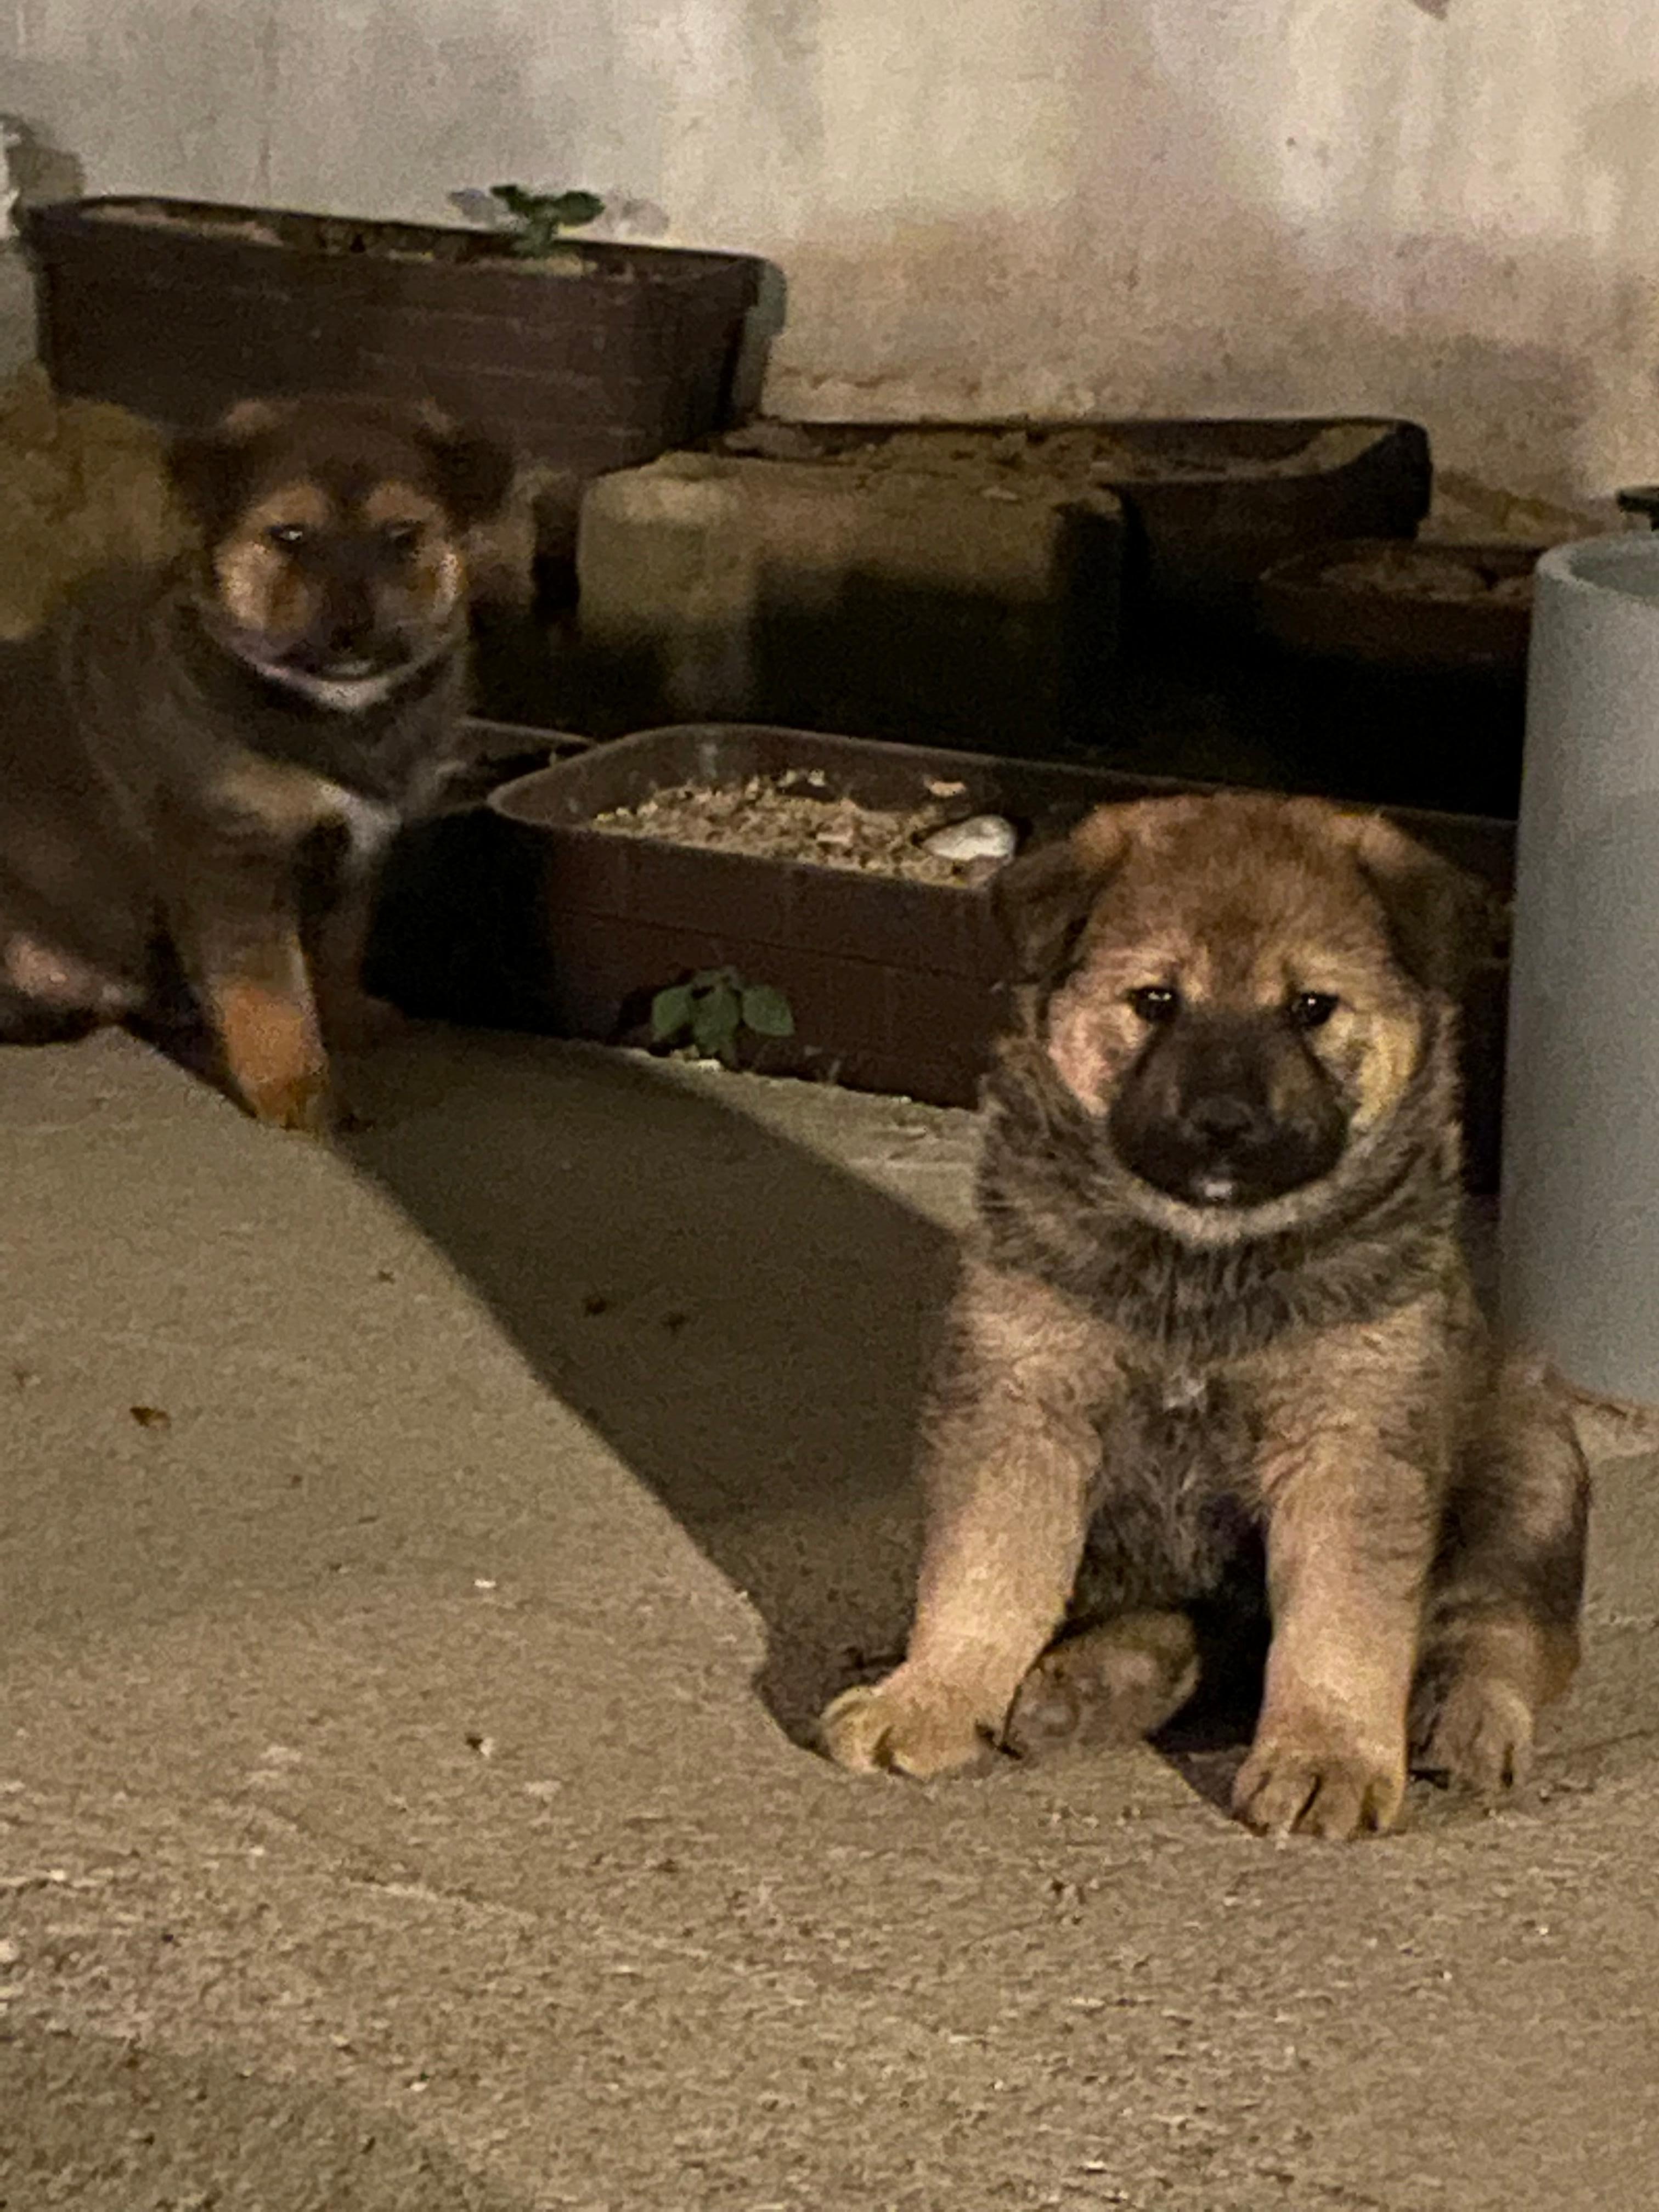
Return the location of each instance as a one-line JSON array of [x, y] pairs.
[[1501, 1635], [31, 1021], [50, 997], [1112, 1683]]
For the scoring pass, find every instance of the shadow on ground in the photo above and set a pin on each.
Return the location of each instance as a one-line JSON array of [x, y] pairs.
[[742, 1320], [85, 2117]]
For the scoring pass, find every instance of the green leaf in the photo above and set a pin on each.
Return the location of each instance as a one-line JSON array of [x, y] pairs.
[[671, 1012], [714, 1023], [708, 978], [570, 210], [544, 214], [767, 1012]]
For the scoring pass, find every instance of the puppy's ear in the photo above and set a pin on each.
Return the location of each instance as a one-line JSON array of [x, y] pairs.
[[1043, 899], [1443, 921], [211, 469], [472, 472]]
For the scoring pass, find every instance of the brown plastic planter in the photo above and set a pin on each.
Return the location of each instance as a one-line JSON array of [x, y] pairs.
[[1212, 503], [1452, 609], [177, 308], [523, 914]]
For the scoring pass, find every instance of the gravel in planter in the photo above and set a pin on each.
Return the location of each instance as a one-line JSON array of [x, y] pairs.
[[801, 818], [1029, 459]]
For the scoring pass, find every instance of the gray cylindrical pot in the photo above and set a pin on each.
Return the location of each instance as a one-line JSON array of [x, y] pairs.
[[1580, 1208]]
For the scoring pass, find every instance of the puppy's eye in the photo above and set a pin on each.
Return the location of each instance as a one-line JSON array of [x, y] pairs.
[[288, 535], [1311, 1010], [1155, 1003], [400, 537]]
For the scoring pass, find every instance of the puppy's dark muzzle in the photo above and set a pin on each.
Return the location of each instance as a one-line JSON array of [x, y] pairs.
[[347, 655], [348, 639], [357, 627], [1227, 1112]]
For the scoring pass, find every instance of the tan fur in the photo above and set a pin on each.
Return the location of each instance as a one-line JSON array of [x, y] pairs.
[[255, 581], [272, 1044], [1145, 1387], [396, 504], [995, 1586], [286, 800]]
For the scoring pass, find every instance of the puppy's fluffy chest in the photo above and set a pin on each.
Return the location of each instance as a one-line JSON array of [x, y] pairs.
[[1180, 1426], [1174, 1511]]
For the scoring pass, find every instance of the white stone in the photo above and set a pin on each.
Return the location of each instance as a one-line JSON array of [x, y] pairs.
[[980, 837]]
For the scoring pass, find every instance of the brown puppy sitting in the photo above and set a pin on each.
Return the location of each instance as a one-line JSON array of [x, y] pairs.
[[1214, 1345], [199, 763]]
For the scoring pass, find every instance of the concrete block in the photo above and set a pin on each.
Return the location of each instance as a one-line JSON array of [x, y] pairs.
[[901, 604]]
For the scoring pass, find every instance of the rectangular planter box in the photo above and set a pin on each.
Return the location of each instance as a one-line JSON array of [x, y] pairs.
[[177, 308], [1454, 609], [522, 915]]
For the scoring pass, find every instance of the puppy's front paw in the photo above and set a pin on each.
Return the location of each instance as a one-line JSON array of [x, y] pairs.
[[271, 1053], [302, 1102], [911, 1723], [1477, 1734], [1317, 1781]]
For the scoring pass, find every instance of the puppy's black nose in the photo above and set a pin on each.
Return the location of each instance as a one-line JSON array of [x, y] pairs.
[[1224, 1119]]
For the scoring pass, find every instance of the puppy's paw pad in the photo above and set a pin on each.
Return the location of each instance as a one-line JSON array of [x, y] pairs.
[[906, 1727], [1479, 1737], [1047, 1714], [1304, 1787]]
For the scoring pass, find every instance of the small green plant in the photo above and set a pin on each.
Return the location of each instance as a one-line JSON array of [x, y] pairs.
[[541, 216], [710, 1011]]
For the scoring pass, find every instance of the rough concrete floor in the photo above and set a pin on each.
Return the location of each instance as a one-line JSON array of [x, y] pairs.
[[415, 1566]]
